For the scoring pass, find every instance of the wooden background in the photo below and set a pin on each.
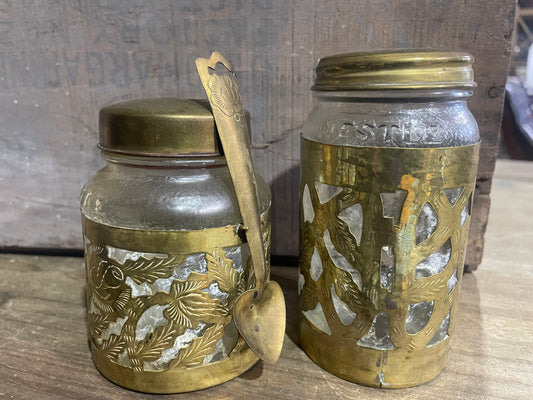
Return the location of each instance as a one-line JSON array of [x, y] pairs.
[[60, 61]]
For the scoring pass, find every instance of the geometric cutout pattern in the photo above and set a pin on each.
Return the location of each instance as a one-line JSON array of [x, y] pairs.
[[326, 192], [389, 242], [387, 267], [344, 313], [435, 262], [453, 194], [316, 268], [393, 204], [418, 316], [452, 282], [309, 214], [353, 216], [442, 332], [467, 210], [378, 337], [427, 223], [340, 261], [317, 317]]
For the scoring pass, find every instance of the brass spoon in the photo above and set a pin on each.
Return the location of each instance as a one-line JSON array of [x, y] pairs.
[[259, 314]]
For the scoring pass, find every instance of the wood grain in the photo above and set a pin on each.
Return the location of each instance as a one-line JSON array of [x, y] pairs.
[[44, 351], [61, 61]]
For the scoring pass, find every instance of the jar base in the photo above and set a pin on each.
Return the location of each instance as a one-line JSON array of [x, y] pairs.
[[385, 369], [179, 380]]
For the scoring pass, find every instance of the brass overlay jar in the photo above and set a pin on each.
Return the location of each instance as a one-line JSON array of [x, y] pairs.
[[388, 159], [164, 255]]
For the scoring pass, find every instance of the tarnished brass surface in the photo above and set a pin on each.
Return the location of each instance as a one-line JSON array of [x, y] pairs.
[[121, 289], [261, 321], [183, 127], [395, 69], [361, 176], [259, 313]]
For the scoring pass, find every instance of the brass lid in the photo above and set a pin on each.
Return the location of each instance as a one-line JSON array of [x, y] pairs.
[[165, 127], [395, 69]]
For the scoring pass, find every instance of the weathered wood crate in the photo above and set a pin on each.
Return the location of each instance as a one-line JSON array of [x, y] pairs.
[[60, 61]]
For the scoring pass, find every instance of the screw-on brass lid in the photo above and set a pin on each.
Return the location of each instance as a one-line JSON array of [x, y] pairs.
[[395, 69], [166, 127]]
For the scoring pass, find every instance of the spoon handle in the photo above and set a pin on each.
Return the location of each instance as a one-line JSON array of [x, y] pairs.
[[223, 94]]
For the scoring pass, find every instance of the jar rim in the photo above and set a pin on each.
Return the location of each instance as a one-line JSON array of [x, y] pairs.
[[149, 161], [398, 95], [395, 70]]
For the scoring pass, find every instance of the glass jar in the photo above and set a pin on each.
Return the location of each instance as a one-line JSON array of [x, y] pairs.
[[388, 159], [164, 255]]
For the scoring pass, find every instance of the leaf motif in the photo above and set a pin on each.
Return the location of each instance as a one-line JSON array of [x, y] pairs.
[[247, 279], [152, 346], [347, 290], [128, 333], [189, 304], [221, 269], [242, 285], [122, 299], [194, 355], [344, 240], [427, 289], [101, 304], [308, 241], [309, 296], [136, 308], [97, 323], [148, 270], [112, 347]]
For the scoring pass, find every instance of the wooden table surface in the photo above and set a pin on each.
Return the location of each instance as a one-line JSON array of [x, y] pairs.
[[44, 352]]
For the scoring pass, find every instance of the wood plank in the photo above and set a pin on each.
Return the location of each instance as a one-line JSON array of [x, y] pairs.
[[44, 351], [61, 61], [478, 225]]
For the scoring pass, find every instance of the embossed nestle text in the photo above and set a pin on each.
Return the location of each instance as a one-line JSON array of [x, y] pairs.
[[387, 131]]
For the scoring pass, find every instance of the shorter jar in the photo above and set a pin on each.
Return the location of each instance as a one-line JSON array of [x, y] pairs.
[[164, 256]]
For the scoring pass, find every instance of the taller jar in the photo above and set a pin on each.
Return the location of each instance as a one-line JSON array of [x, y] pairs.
[[388, 159], [164, 253]]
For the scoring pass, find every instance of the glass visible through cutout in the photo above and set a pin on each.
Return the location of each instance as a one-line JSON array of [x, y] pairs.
[[442, 332], [353, 216], [427, 223], [453, 194], [452, 282], [466, 211], [318, 319], [307, 204], [393, 204], [326, 192], [346, 315], [340, 261], [378, 336], [316, 266], [387, 267], [149, 320], [301, 282], [435, 263], [418, 316]]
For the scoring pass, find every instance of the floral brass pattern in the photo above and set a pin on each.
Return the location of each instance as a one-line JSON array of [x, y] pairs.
[[225, 95], [115, 310], [187, 304], [361, 176]]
